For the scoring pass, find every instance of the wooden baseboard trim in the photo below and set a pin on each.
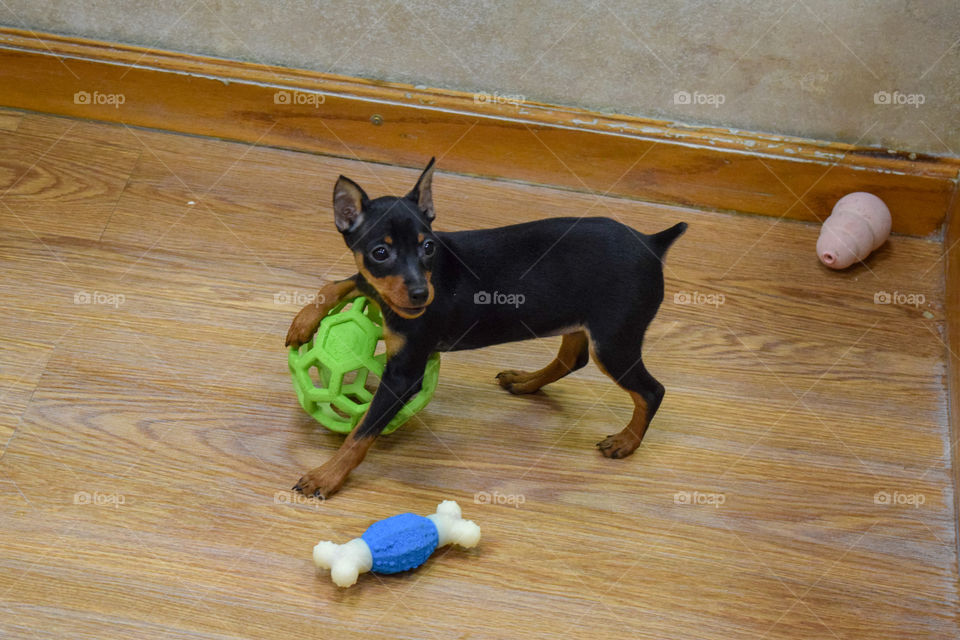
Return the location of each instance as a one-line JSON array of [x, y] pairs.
[[951, 247], [483, 135]]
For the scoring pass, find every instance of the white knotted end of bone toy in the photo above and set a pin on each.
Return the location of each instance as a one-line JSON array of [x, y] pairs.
[[345, 561], [452, 528]]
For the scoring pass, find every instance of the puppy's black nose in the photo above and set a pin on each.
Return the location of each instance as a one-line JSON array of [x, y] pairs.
[[418, 295]]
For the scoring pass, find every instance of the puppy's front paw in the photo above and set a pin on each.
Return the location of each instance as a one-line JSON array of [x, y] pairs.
[[304, 325], [320, 482]]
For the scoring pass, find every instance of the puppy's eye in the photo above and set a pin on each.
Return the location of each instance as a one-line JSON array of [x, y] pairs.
[[380, 253], [429, 248]]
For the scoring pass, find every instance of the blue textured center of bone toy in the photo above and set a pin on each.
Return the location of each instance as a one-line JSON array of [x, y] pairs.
[[401, 542]]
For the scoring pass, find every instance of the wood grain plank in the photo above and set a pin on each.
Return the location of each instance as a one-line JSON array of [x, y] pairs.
[[47, 186], [10, 120], [20, 367], [400, 124], [80, 131], [798, 400]]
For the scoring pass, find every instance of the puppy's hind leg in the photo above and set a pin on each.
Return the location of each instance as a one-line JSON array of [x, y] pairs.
[[572, 356], [625, 367]]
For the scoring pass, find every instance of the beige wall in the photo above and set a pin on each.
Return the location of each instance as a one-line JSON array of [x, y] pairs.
[[804, 67]]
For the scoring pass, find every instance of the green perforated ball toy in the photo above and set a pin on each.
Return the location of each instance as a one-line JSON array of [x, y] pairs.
[[330, 372]]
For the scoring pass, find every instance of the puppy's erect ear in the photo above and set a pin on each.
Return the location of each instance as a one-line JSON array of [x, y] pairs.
[[349, 202], [422, 193]]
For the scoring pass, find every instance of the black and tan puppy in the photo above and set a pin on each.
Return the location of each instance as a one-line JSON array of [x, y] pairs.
[[596, 282]]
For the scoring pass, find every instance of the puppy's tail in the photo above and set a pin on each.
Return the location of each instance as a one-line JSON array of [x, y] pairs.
[[661, 241]]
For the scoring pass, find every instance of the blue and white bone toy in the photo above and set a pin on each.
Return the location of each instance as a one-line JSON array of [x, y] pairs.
[[396, 544]]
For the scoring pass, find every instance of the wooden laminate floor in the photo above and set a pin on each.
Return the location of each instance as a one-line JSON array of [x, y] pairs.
[[795, 484]]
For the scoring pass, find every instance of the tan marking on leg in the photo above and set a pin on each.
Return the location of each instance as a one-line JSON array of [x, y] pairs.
[[307, 320], [626, 442], [519, 382], [622, 444], [327, 479]]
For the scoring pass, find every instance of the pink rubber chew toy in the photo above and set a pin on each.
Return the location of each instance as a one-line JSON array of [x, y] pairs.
[[860, 222]]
